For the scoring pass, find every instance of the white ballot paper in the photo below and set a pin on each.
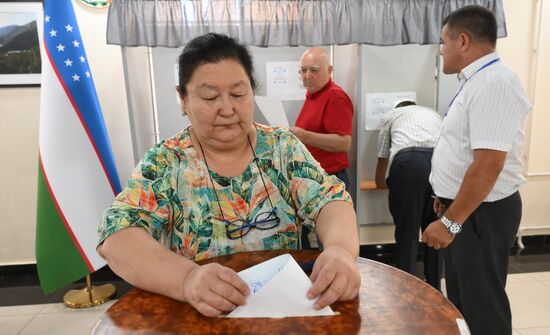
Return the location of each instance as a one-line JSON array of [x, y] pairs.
[[272, 109], [278, 288]]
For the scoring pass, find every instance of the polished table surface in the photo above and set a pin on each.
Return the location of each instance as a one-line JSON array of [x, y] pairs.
[[390, 302]]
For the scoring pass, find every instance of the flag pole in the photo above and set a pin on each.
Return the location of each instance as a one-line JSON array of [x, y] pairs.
[[89, 296]]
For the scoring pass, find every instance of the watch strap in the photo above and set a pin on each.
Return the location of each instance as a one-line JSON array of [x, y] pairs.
[[453, 227]]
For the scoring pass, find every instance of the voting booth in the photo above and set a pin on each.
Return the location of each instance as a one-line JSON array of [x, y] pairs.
[[380, 51]]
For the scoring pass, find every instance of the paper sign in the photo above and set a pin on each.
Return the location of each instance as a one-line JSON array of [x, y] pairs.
[[283, 81], [278, 288], [378, 104], [272, 109]]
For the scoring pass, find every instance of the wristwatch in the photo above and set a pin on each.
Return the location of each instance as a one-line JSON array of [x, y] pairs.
[[453, 227]]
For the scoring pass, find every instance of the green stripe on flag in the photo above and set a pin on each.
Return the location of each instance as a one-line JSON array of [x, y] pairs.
[[58, 260]]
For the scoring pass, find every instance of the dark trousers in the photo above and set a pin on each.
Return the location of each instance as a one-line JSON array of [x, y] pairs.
[[343, 176], [411, 207], [476, 265]]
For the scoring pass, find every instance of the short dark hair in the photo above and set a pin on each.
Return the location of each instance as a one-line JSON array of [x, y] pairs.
[[405, 104], [479, 22], [212, 48]]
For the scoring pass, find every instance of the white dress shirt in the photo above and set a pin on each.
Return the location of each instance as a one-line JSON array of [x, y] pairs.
[[488, 112], [405, 127]]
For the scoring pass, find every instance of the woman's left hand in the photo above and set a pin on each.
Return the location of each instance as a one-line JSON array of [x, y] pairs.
[[335, 277]]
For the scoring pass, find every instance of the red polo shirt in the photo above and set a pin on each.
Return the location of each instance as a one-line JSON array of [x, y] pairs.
[[328, 111]]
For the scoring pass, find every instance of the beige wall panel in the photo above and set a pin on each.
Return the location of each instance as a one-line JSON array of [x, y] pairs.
[[19, 109], [539, 153]]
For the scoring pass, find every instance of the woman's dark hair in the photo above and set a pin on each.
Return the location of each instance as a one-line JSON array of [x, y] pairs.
[[479, 22], [212, 48]]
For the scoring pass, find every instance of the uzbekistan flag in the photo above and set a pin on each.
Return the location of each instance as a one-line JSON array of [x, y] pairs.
[[77, 177]]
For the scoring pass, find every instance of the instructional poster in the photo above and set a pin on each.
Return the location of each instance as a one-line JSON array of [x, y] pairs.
[[283, 81], [378, 104]]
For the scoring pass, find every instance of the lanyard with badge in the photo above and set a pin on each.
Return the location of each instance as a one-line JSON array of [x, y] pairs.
[[462, 86]]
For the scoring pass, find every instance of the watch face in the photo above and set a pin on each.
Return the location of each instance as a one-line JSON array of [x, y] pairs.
[[455, 228]]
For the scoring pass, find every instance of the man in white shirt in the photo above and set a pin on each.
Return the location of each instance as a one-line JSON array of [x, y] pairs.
[[477, 171], [405, 144]]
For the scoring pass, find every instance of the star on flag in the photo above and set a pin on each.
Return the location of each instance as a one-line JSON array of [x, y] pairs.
[[66, 34]]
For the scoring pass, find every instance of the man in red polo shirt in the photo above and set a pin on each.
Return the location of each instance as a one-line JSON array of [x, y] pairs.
[[325, 121]]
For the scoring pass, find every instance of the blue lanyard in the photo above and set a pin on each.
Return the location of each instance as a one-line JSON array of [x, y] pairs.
[[481, 68]]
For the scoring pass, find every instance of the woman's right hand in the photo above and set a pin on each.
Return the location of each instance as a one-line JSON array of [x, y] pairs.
[[213, 289]]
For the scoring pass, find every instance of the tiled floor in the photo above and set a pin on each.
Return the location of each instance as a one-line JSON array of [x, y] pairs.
[[49, 319], [530, 300], [528, 290]]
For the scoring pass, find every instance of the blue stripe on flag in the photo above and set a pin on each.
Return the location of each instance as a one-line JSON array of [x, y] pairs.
[[64, 44]]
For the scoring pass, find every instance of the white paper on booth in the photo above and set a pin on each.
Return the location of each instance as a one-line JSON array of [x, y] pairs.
[[278, 288], [283, 80], [378, 104], [272, 109]]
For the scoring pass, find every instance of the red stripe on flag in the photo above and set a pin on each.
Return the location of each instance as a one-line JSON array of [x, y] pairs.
[[84, 125], [67, 226]]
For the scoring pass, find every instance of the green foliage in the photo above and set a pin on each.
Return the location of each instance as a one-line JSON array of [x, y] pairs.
[[20, 61]]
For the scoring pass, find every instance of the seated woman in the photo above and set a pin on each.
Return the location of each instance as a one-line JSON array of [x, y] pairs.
[[226, 185]]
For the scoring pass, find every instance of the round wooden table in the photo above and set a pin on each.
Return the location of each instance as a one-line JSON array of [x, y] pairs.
[[390, 302]]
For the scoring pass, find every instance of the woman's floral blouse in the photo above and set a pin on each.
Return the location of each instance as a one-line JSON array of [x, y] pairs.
[[171, 197]]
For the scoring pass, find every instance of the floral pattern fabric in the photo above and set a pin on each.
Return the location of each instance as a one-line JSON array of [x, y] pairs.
[[170, 196]]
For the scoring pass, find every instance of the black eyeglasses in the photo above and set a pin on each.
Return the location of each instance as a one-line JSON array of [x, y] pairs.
[[240, 227], [264, 221]]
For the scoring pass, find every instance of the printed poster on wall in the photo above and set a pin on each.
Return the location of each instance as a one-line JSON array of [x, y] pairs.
[[283, 80], [378, 104]]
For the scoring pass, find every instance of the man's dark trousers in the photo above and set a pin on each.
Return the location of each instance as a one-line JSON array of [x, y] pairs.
[[411, 205], [476, 265]]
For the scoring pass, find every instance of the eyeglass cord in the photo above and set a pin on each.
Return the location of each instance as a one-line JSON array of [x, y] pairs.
[[212, 180]]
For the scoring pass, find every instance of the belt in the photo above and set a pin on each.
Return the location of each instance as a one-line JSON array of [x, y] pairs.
[[416, 149]]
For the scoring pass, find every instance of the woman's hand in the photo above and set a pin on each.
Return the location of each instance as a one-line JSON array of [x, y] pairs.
[[334, 276], [213, 289]]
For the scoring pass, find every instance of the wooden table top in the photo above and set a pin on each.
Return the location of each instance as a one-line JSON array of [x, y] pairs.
[[390, 302]]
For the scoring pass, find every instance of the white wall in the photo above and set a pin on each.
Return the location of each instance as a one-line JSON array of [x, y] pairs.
[[539, 155], [18, 171], [528, 51], [19, 109]]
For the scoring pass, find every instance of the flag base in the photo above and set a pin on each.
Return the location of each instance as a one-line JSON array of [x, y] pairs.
[[89, 296]]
